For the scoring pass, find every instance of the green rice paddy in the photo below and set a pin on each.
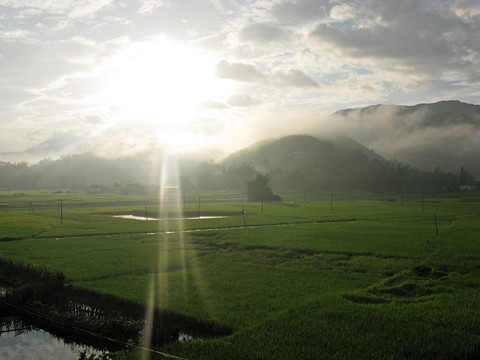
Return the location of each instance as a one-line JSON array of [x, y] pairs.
[[348, 279]]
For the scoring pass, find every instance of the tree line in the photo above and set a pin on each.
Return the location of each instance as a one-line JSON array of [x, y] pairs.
[[354, 172]]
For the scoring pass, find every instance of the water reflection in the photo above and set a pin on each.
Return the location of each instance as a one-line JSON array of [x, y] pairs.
[[143, 218], [19, 340]]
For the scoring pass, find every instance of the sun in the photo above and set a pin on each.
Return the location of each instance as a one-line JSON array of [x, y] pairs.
[[161, 84]]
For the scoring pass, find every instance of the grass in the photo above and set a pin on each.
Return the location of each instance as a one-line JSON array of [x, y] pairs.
[[363, 280]]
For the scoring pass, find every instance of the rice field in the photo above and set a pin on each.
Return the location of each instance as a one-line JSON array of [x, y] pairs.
[[342, 279]]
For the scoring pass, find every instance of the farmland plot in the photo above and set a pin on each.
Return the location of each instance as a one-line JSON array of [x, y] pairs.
[[362, 280]]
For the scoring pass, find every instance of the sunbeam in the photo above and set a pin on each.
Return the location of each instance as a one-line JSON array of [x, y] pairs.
[[171, 215]]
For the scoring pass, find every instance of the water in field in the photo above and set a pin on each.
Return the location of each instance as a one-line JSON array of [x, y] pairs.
[[144, 218], [19, 340]]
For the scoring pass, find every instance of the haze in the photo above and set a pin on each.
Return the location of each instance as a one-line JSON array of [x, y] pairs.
[[115, 77]]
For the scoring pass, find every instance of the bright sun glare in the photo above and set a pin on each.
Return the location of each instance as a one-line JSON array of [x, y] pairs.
[[161, 85]]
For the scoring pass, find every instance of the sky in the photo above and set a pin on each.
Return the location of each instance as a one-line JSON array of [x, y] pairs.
[[115, 77]]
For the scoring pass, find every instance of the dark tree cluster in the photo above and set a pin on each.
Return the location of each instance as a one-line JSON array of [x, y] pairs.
[[259, 191], [213, 176], [347, 170]]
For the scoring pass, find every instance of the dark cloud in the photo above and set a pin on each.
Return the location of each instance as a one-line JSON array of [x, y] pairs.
[[295, 78], [301, 11], [261, 33], [383, 42], [239, 72], [423, 39]]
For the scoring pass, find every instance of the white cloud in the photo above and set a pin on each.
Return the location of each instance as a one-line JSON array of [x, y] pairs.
[[468, 10], [148, 6], [242, 100], [288, 58], [214, 42], [342, 12], [239, 72], [70, 8], [295, 78], [210, 104]]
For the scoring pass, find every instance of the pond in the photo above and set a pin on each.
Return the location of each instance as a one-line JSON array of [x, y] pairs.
[[21, 340]]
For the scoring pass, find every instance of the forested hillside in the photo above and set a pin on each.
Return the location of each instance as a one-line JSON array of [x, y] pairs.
[[298, 162]]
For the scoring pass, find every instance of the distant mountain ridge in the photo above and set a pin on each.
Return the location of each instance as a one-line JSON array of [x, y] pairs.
[[444, 134], [432, 109]]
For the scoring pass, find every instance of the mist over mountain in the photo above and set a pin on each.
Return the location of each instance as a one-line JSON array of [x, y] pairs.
[[304, 162], [381, 147], [445, 134]]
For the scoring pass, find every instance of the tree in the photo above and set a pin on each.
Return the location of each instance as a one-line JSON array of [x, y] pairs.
[[465, 178], [258, 190], [237, 174]]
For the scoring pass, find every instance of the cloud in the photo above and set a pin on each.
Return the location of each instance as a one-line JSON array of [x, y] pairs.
[[383, 42], [148, 6], [242, 100], [403, 36], [295, 58], [342, 12], [35, 64], [214, 42], [295, 78], [71, 8], [468, 10], [239, 72], [249, 74], [13, 96], [85, 8], [300, 11], [419, 135], [260, 33], [209, 104]]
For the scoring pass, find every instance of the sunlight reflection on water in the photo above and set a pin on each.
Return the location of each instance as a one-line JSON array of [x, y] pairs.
[[143, 218]]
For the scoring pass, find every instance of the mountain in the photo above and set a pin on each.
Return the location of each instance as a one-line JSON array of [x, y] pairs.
[[305, 162], [297, 152], [52, 148], [445, 134]]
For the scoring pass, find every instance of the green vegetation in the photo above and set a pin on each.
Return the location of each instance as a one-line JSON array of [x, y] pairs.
[[258, 190], [298, 162], [347, 279]]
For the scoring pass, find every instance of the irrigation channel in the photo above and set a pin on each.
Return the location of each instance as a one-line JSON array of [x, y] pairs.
[[22, 338], [39, 310], [25, 334]]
